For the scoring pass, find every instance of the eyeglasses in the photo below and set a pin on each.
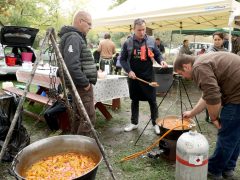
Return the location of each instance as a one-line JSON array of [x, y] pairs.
[[90, 24]]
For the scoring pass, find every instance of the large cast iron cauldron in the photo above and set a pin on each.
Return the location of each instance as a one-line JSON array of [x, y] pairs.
[[56, 145], [164, 77]]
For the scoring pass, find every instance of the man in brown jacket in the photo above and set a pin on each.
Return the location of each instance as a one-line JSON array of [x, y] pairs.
[[217, 75]]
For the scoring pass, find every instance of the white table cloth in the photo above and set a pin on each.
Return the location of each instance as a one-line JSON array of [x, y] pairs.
[[111, 87]]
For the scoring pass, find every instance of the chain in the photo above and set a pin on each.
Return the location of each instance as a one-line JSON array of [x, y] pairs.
[[53, 93]]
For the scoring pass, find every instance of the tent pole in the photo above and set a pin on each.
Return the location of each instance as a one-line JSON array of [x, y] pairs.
[[230, 40], [230, 25], [171, 41], [230, 22]]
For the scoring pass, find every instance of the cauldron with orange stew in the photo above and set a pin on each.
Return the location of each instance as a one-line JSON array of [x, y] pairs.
[[168, 144], [72, 157], [170, 122]]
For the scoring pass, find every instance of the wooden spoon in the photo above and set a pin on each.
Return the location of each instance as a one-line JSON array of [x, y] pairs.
[[153, 84]]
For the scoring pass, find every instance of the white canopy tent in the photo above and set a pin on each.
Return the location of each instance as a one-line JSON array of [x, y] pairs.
[[163, 15]]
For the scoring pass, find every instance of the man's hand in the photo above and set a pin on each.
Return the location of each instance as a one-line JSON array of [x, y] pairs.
[[164, 64], [217, 124], [187, 114], [88, 87], [214, 111], [131, 75]]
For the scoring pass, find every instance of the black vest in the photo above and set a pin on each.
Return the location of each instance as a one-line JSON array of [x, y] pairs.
[[88, 65]]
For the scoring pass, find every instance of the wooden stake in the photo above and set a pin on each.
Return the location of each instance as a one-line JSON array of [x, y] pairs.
[[20, 104], [79, 103]]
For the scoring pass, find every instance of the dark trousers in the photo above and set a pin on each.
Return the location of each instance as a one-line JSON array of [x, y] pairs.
[[135, 111], [80, 126], [117, 70], [104, 62], [228, 141]]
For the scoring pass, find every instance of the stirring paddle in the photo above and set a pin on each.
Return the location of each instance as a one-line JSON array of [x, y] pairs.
[[153, 84]]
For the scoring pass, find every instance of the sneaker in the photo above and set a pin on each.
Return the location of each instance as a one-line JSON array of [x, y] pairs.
[[214, 177], [157, 129], [207, 119], [228, 174], [130, 127]]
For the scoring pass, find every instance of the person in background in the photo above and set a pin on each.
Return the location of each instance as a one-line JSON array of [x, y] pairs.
[[218, 39], [96, 56], [185, 48], [160, 45], [107, 49], [80, 63], [236, 45], [202, 51], [217, 75], [116, 64], [136, 63], [226, 41]]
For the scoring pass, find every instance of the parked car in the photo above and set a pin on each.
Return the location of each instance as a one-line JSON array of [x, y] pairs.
[[194, 46], [15, 42], [197, 46]]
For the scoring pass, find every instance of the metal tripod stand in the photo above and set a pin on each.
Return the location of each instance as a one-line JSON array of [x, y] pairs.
[[180, 83]]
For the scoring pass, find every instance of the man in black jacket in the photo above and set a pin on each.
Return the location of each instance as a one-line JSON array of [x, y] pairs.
[[81, 66]]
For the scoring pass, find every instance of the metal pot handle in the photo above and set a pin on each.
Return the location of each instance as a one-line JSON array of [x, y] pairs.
[[15, 161], [11, 173]]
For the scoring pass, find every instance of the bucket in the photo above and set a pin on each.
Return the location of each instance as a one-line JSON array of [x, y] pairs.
[[11, 61], [56, 145], [27, 56]]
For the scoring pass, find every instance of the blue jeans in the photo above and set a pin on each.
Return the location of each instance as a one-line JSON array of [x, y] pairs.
[[228, 141]]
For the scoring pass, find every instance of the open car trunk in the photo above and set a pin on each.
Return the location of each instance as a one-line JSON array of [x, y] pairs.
[[15, 41]]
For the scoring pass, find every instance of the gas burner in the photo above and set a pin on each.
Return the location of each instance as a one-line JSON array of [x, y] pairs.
[[155, 153]]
